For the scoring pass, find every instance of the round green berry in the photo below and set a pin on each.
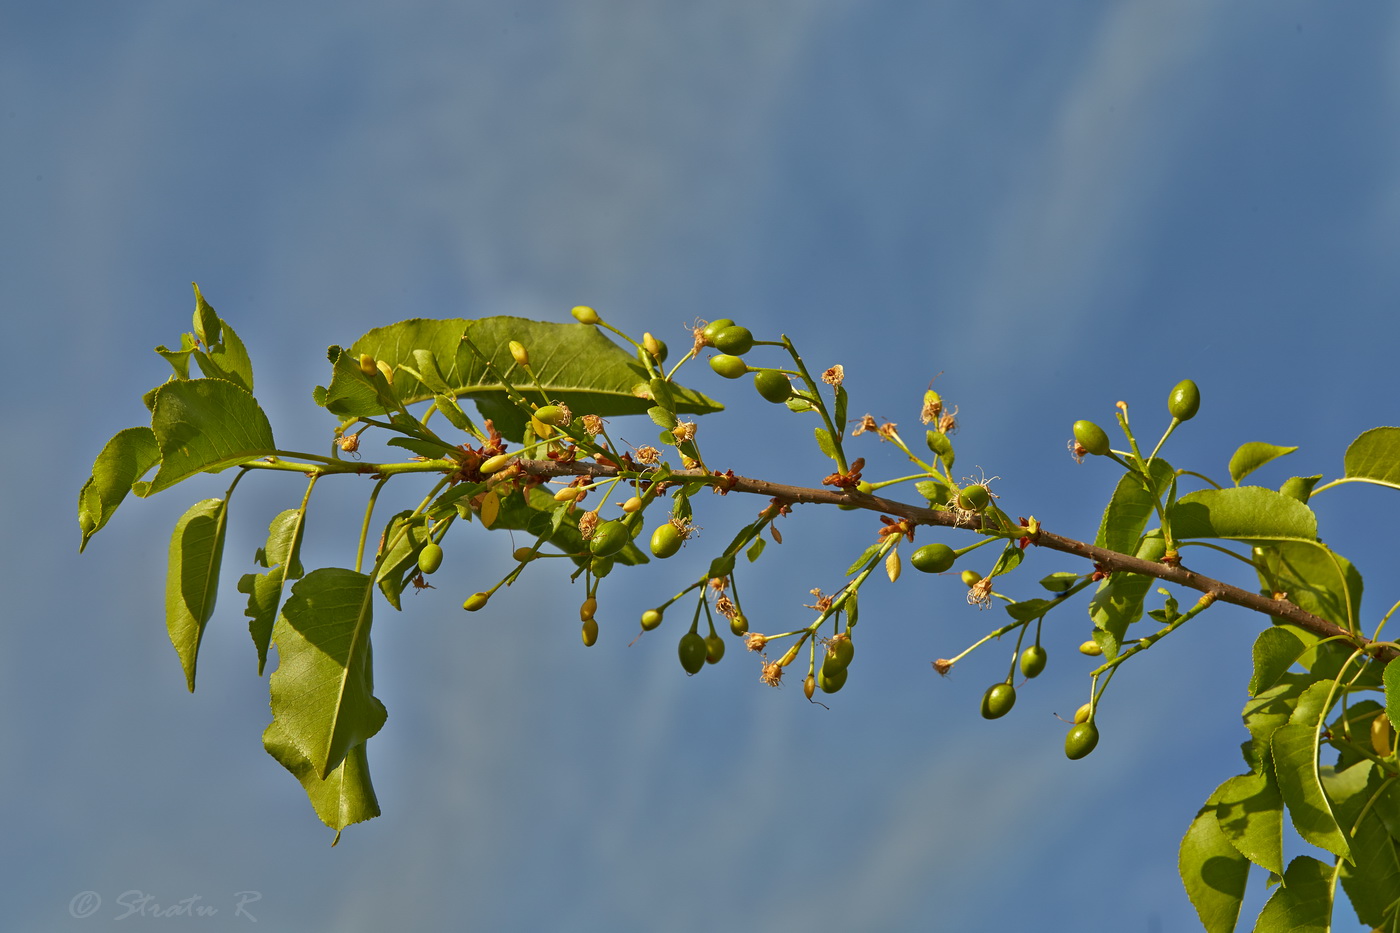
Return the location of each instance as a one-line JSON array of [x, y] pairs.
[[1091, 437], [1033, 661], [1183, 403], [609, 538], [772, 385], [934, 558], [998, 700], [730, 367], [1080, 740], [734, 340], [666, 540], [430, 558], [692, 651]]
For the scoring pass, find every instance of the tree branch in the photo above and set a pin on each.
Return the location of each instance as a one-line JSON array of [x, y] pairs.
[[1111, 561]]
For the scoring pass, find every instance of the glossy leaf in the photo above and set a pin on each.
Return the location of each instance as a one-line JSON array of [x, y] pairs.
[[1303, 903], [127, 457], [192, 578], [1249, 810], [1375, 457], [1245, 513], [322, 689], [1295, 751], [1028, 609], [205, 425], [264, 590], [824, 441], [343, 797], [1372, 880], [1275, 651], [1252, 456], [1213, 871], [575, 364], [1131, 507]]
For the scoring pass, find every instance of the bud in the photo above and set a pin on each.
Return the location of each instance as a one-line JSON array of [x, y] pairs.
[[494, 464], [519, 353], [385, 370], [585, 315], [476, 601], [367, 365], [652, 345]]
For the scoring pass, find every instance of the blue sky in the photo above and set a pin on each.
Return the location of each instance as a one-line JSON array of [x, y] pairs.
[[1056, 206]]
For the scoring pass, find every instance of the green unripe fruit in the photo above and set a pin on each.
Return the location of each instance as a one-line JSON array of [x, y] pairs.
[[1183, 403], [666, 540], [934, 558], [590, 606], [734, 340], [809, 686], [739, 625], [692, 651], [1033, 661], [998, 700], [1091, 648], [525, 554], [590, 631], [772, 385], [714, 327], [609, 538], [1080, 740], [974, 498], [651, 619], [833, 680], [714, 648], [1091, 437], [839, 652], [476, 601], [585, 315], [971, 578], [552, 415], [430, 558], [601, 566], [730, 367]]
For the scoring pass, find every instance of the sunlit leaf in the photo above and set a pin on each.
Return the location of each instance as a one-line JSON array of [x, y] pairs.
[[322, 689], [1252, 456], [1312, 577], [1131, 507], [280, 556], [1245, 513], [192, 578], [1118, 601], [343, 797], [1213, 871], [206, 425], [575, 364], [1249, 810], [127, 457], [1303, 903], [1375, 457], [1372, 879], [1295, 751], [1275, 651]]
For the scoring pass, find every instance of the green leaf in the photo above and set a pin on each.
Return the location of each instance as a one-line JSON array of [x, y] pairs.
[[838, 416], [192, 578], [454, 414], [1295, 750], [401, 562], [1060, 581], [1118, 601], [864, 558], [322, 689], [1028, 609], [1375, 457], [427, 372], [1275, 651], [1269, 710], [1372, 881], [227, 360], [575, 363], [1391, 679], [1249, 810], [935, 492], [1212, 870], [824, 441], [1010, 559], [755, 549], [1252, 456], [1303, 903], [1244, 513], [344, 797], [537, 518], [205, 425], [428, 450], [1314, 578], [127, 457], [664, 417], [939, 443], [1130, 507], [280, 556], [1313, 704]]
